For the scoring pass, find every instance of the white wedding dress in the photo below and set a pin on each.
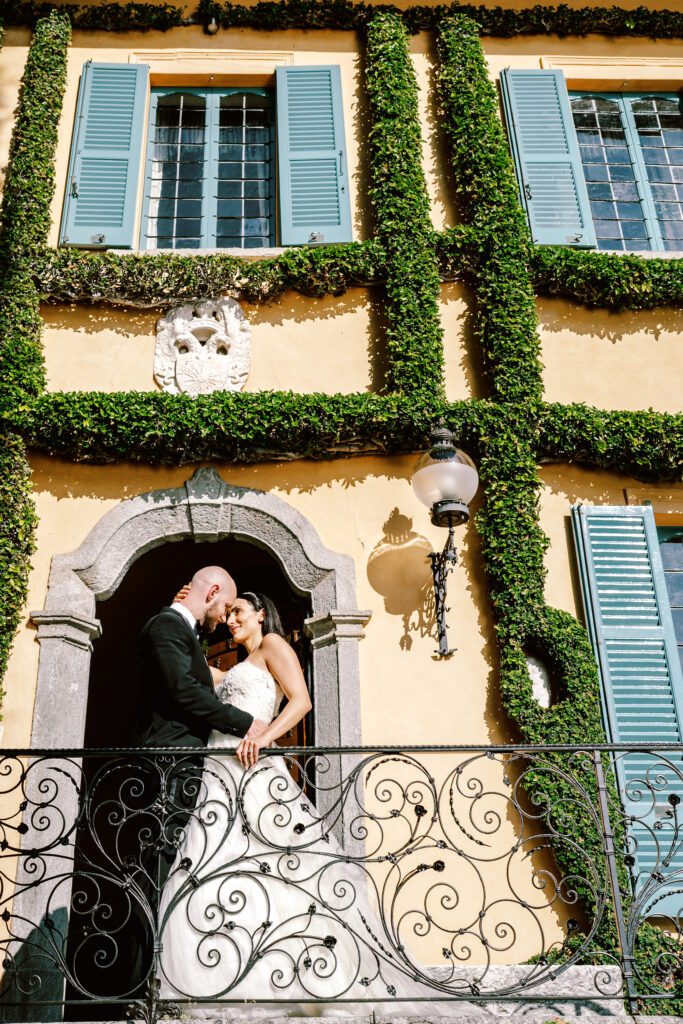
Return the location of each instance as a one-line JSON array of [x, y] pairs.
[[259, 907]]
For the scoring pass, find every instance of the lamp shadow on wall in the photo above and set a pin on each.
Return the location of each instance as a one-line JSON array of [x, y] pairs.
[[399, 570]]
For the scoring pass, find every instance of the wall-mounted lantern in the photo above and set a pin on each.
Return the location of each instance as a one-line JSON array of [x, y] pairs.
[[445, 480]]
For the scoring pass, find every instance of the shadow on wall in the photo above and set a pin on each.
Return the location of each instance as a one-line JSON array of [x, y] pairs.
[[556, 315], [399, 570], [61, 478], [132, 321]]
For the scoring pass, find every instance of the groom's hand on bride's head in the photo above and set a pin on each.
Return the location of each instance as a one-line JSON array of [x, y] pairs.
[[182, 593]]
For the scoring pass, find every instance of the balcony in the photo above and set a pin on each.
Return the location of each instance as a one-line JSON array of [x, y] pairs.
[[415, 881]]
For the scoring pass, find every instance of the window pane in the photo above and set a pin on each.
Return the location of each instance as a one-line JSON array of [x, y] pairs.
[[659, 123], [615, 201], [175, 184], [244, 172], [194, 165]]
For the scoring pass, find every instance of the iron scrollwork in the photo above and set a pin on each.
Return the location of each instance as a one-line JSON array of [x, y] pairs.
[[444, 888]]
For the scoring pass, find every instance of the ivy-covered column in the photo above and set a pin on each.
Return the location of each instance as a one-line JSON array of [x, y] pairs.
[[28, 191], [507, 324], [401, 203], [513, 542], [17, 524]]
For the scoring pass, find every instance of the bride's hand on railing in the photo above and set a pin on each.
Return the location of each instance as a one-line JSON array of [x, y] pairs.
[[248, 750], [182, 593]]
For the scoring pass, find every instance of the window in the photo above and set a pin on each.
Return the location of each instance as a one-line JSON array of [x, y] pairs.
[[632, 155], [209, 181], [201, 165], [632, 584], [596, 170]]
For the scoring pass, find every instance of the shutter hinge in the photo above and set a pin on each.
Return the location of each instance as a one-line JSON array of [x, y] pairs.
[[97, 239], [574, 238], [74, 189], [527, 190], [316, 237]]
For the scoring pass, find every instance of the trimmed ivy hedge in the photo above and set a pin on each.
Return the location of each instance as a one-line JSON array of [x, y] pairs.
[[607, 280], [414, 339], [486, 188], [174, 429], [25, 212], [346, 14], [77, 275], [17, 540], [508, 433]]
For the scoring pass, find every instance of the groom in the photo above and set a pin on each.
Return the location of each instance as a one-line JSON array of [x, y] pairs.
[[178, 708]]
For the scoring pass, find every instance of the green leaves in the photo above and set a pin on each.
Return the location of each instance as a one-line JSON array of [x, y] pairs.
[[414, 338], [607, 280]]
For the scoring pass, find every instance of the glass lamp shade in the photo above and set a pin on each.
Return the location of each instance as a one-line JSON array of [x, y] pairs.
[[445, 477]]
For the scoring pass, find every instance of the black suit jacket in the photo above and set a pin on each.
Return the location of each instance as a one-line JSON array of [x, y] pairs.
[[178, 705]]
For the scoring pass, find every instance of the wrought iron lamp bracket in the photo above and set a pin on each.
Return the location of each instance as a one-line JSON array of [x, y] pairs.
[[442, 564]]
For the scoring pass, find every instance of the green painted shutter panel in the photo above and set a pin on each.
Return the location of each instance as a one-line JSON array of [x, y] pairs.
[[312, 172], [104, 167], [547, 158], [631, 628]]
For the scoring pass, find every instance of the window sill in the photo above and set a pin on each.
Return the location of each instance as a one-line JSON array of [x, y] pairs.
[[247, 254], [665, 254]]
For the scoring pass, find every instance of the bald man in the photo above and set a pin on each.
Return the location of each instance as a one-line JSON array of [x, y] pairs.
[[178, 706]]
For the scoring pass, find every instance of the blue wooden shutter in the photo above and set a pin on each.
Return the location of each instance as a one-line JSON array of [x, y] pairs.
[[312, 172], [104, 167], [629, 620], [547, 158]]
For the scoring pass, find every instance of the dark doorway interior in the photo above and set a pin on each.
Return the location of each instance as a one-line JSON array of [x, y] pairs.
[[99, 960]]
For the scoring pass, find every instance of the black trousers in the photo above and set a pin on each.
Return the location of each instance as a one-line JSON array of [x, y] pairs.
[[168, 787]]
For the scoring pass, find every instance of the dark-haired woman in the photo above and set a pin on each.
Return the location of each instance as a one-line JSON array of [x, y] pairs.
[[260, 905]]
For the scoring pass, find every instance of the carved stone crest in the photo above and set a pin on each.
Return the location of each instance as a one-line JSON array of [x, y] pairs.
[[203, 347]]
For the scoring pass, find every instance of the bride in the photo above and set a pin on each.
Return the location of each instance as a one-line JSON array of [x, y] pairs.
[[260, 905]]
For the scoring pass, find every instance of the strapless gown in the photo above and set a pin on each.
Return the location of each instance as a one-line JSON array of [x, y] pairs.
[[259, 907]]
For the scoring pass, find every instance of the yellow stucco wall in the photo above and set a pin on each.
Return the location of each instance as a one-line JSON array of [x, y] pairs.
[[333, 344], [529, 51], [297, 344], [612, 360]]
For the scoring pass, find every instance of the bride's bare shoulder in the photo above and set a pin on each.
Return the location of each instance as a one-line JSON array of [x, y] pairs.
[[273, 642]]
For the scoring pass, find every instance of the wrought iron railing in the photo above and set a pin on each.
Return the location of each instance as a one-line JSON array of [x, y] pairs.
[[413, 878]]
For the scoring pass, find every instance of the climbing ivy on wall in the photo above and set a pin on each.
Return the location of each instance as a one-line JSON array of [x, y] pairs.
[[349, 14], [509, 433]]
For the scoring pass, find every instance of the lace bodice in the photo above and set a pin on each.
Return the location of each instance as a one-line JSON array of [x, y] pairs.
[[252, 689]]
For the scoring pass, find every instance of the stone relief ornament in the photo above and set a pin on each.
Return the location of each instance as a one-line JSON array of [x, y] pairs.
[[203, 347]]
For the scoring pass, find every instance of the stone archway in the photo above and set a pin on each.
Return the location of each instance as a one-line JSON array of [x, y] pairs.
[[205, 509]]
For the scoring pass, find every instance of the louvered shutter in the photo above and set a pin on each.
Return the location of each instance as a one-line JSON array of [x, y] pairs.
[[547, 158], [629, 619], [104, 167], [312, 172]]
